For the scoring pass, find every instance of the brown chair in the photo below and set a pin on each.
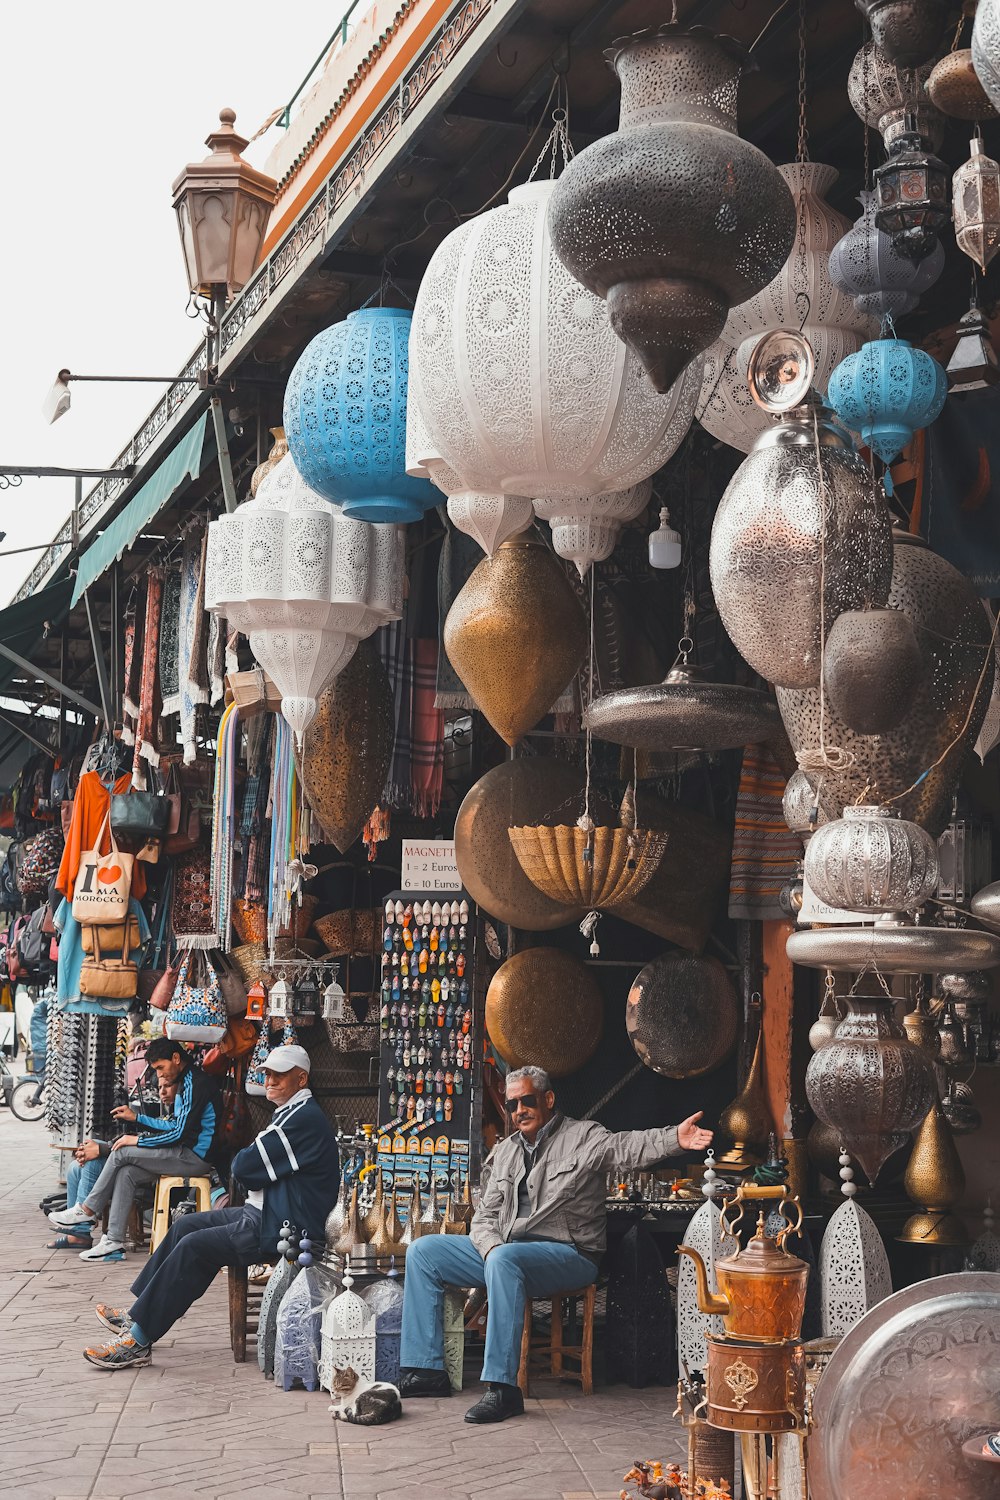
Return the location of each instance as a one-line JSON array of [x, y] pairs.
[[244, 1311], [548, 1353]]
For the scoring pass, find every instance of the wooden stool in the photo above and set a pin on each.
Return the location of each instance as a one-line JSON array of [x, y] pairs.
[[538, 1351], [244, 1310], [161, 1204]]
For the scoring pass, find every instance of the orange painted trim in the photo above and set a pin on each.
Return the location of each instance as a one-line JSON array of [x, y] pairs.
[[778, 1004], [351, 124]]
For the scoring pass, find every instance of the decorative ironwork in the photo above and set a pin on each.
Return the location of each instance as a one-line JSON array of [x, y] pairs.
[[741, 1380], [448, 41]]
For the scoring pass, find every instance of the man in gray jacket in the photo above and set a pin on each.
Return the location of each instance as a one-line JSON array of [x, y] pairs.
[[539, 1229]]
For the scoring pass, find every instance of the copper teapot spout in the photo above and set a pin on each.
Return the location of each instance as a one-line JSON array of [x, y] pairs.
[[708, 1302]]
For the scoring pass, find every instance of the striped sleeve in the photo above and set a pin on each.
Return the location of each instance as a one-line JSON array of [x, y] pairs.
[[177, 1121], [276, 1152]]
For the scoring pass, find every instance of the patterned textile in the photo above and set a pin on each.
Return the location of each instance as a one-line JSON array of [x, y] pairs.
[[198, 676], [149, 688], [191, 620], [191, 913], [216, 658], [169, 627], [132, 680], [392, 644], [766, 854], [426, 730]]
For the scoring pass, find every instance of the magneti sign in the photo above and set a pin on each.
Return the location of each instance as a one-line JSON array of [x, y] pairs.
[[429, 865]]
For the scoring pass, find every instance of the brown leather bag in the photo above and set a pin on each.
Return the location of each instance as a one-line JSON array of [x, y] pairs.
[[162, 991], [110, 978], [183, 829], [231, 982], [98, 938]]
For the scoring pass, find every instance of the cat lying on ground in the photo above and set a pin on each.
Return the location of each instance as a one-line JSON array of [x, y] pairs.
[[366, 1403]]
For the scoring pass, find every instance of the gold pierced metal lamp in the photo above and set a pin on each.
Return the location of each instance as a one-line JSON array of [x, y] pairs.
[[590, 866]]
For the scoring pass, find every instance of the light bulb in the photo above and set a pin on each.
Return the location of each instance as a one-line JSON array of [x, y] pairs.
[[665, 544]]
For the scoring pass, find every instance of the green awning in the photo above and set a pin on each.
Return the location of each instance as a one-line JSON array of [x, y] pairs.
[[182, 463], [22, 624]]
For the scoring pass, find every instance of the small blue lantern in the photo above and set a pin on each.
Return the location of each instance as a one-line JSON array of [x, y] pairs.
[[886, 392], [345, 417]]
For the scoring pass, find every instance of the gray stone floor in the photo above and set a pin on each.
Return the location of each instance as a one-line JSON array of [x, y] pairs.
[[193, 1424]]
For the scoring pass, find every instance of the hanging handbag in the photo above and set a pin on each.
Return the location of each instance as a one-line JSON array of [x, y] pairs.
[[41, 861], [103, 882], [137, 817], [157, 986], [183, 827], [239, 1041], [234, 991], [197, 1012], [106, 937], [110, 978]]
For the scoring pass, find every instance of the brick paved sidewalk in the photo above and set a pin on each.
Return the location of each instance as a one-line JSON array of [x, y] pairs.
[[197, 1427]]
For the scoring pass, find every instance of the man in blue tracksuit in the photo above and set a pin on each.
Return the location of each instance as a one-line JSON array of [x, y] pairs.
[[173, 1145], [292, 1172]]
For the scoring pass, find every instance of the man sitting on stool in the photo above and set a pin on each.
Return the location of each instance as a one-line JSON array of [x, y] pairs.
[[172, 1145], [539, 1229], [293, 1173]]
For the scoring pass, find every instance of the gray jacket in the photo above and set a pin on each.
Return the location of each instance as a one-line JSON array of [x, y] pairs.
[[567, 1188]]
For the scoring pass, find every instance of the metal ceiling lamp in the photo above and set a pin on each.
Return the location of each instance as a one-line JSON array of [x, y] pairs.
[[867, 265], [986, 48], [976, 205], [912, 188], [882, 94], [909, 32], [974, 364]]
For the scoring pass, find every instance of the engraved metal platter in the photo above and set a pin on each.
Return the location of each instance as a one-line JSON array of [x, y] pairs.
[[781, 371], [907, 1387]]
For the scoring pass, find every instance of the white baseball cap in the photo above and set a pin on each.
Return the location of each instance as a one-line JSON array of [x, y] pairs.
[[284, 1059]]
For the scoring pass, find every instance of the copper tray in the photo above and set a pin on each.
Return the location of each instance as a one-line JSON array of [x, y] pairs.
[[912, 1382]]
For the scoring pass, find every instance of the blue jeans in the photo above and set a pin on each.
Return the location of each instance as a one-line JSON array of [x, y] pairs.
[[511, 1273], [80, 1180]]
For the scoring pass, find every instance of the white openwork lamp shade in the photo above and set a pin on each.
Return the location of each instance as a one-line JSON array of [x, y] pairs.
[[802, 295], [348, 1337], [303, 583], [520, 379]]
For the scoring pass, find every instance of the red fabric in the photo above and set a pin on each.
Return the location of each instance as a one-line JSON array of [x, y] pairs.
[[90, 808], [426, 732]]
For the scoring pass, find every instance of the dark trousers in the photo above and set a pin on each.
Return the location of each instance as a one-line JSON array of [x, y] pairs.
[[188, 1260]]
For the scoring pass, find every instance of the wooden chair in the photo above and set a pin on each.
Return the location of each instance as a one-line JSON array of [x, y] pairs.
[[244, 1312], [548, 1353]]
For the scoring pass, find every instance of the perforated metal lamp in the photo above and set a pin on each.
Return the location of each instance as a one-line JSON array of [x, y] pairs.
[[913, 195], [222, 206]]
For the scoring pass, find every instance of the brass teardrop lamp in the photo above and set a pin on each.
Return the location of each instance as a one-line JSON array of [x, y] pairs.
[[935, 1181], [747, 1123]]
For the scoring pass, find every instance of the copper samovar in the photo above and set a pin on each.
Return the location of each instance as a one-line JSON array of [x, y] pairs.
[[756, 1373]]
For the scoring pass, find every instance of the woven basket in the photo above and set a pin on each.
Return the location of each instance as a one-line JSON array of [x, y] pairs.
[[251, 960], [353, 1036], [350, 931], [301, 918], [286, 947], [249, 921]]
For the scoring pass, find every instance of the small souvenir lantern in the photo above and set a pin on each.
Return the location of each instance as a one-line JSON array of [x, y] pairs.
[[385, 1299], [278, 1283], [348, 1336], [281, 1000], [297, 1340], [256, 1002], [334, 1001], [307, 1003]]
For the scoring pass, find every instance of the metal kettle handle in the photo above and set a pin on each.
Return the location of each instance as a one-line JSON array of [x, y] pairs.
[[749, 1190]]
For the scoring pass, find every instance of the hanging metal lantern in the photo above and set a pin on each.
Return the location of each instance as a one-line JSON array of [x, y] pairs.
[[871, 668], [348, 748], [870, 1083], [681, 1015], [887, 392], [522, 386], [955, 89], [986, 48], [909, 32], [974, 364], [867, 265], [954, 634], [976, 205], [935, 1181], [597, 868], [524, 1024], [684, 712], [883, 94], [673, 218], [870, 861], [912, 190], [785, 517], [895, 947], [586, 528], [800, 807], [345, 417], [303, 582], [516, 635]]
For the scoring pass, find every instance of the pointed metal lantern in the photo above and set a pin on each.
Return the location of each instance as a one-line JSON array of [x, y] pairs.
[[853, 1267], [278, 1283]]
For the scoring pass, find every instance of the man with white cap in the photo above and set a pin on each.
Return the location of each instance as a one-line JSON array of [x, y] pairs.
[[292, 1171]]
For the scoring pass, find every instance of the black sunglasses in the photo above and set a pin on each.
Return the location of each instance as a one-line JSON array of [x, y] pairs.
[[530, 1101]]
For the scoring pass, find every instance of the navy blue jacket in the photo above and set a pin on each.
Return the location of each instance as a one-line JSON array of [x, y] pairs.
[[296, 1162]]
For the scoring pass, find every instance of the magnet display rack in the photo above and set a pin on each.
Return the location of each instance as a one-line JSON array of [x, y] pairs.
[[428, 1043]]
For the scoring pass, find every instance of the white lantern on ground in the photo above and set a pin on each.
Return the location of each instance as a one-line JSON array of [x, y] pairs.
[[801, 296], [303, 583], [348, 1337], [520, 379]]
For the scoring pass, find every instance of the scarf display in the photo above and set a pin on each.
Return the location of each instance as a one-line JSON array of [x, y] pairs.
[[426, 730], [190, 622], [392, 646], [766, 854], [132, 678], [198, 673], [216, 659], [169, 627], [191, 910], [224, 824], [284, 828], [149, 683]]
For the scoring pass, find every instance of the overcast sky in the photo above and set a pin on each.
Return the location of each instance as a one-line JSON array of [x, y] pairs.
[[104, 104]]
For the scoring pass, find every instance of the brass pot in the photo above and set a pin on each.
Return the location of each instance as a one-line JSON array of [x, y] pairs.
[[347, 748], [543, 1007], [516, 635], [681, 1015], [755, 1387]]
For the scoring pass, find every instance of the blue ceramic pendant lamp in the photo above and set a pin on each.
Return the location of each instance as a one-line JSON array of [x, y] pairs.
[[886, 392]]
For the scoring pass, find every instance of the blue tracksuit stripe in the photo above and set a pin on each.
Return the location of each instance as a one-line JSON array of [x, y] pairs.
[[176, 1122]]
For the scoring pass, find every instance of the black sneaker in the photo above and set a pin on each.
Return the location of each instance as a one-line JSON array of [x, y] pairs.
[[121, 1354], [114, 1319], [498, 1403], [419, 1382]]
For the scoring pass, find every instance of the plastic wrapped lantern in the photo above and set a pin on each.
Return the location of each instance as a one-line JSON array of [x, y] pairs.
[[520, 381], [866, 264], [976, 206], [886, 392], [304, 583], [882, 95], [912, 189], [345, 417]]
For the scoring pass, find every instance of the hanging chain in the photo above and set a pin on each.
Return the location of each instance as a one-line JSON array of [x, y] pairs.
[[866, 127], [800, 270], [557, 143], [803, 147]]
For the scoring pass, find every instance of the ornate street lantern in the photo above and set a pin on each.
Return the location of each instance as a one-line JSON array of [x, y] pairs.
[[976, 205], [222, 207], [974, 364], [887, 392], [912, 189]]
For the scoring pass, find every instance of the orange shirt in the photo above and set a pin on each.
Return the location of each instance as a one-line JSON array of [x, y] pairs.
[[90, 807]]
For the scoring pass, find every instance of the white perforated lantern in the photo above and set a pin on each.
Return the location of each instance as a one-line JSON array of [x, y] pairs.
[[348, 1338], [802, 295], [303, 583], [521, 382]]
